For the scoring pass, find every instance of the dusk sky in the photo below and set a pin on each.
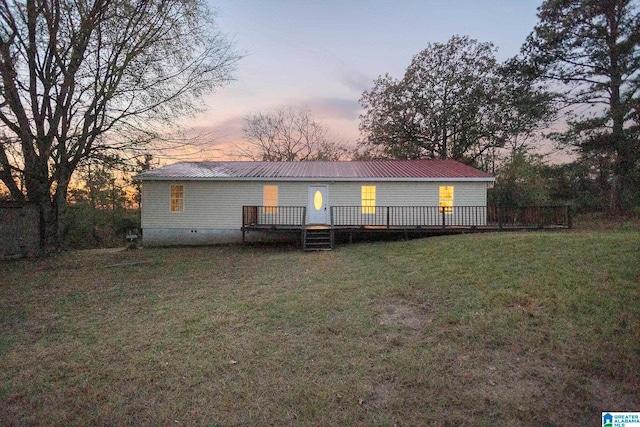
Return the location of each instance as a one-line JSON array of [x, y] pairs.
[[324, 54]]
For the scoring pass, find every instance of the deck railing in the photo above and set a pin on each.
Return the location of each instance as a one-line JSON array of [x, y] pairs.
[[413, 216], [408, 216], [273, 215]]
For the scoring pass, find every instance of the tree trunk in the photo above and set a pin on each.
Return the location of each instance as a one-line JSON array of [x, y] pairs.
[[624, 186], [444, 148], [7, 178], [59, 208], [623, 163], [44, 209], [51, 209]]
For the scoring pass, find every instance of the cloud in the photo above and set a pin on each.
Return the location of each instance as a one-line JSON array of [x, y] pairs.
[[219, 132], [356, 81], [230, 128], [215, 141], [220, 140], [334, 108]]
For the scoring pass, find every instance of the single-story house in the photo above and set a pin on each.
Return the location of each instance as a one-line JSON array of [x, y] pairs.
[[217, 202]]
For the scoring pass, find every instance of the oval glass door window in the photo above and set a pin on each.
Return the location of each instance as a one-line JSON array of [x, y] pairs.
[[317, 200]]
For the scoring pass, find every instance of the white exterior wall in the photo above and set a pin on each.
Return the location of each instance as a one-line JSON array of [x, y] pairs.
[[413, 194], [408, 193], [213, 209]]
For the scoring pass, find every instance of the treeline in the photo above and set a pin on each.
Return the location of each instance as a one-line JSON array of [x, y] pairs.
[[527, 178], [101, 209], [103, 205]]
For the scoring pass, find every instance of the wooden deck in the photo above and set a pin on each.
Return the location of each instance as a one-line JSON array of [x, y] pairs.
[[427, 220]]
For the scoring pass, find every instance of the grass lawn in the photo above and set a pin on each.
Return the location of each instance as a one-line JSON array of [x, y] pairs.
[[494, 329]]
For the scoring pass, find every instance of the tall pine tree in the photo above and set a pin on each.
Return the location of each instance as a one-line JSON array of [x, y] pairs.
[[589, 50]]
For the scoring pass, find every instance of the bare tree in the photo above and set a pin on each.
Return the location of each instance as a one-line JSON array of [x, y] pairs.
[[79, 78], [288, 134]]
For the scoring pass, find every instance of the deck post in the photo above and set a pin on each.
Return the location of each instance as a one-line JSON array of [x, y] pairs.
[[387, 217], [330, 216], [442, 209], [303, 226]]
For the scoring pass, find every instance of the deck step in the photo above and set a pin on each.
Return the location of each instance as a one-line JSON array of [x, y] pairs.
[[317, 239]]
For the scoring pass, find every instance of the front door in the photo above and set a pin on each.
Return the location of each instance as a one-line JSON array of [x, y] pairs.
[[317, 207]]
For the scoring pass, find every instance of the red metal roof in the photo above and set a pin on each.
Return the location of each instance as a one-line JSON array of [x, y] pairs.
[[396, 170]]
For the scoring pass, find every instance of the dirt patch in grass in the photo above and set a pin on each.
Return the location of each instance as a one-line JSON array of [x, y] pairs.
[[395, 313]]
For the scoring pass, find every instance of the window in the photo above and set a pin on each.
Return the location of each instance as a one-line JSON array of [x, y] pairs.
[[446, 198], [368, 199], [177, 198], [270, 198]]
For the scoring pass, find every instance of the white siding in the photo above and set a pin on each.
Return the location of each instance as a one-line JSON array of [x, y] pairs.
[[206, 204], [217, 205], [413, 194], [408, 193]]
